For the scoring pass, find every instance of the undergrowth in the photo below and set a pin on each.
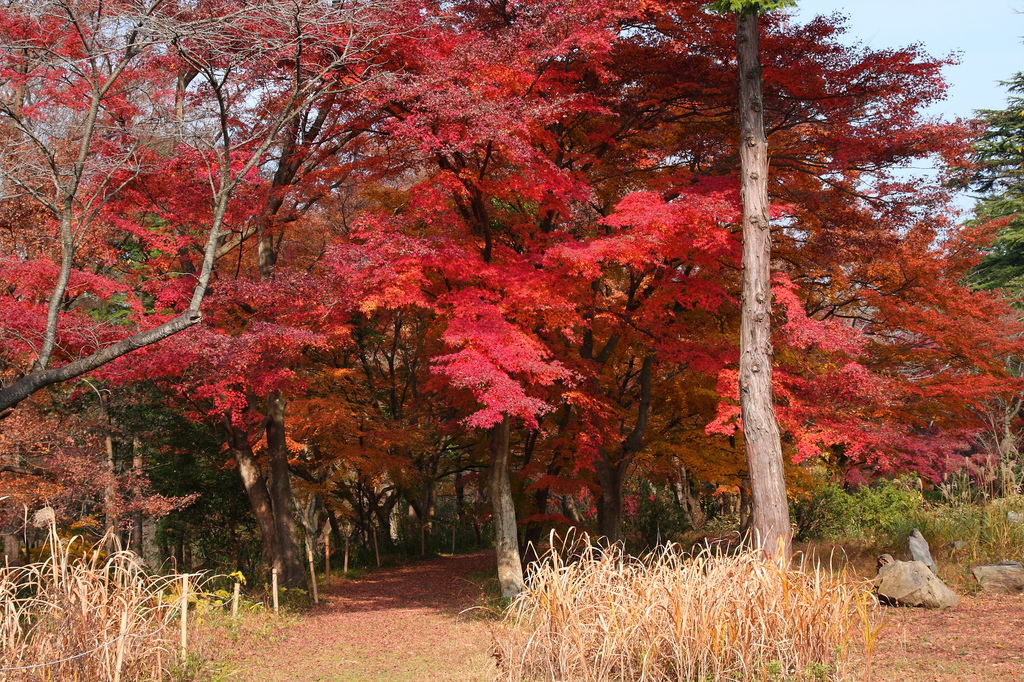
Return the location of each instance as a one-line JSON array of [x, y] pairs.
[[83, 614], [87, 613]]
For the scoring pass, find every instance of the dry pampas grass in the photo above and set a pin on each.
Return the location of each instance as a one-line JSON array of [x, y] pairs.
[[86, 615], [671, 616]]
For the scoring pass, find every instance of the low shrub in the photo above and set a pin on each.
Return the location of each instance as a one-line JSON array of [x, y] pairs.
[[604, 616], [876, 514]]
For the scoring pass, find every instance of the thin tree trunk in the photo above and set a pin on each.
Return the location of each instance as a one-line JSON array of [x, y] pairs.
[[689, 501], [137, 520], [280, 489], [12, 549], [770, 513], [532, 535], [506, 534]]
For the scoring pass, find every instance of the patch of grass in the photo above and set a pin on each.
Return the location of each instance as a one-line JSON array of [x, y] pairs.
[[491, 604]]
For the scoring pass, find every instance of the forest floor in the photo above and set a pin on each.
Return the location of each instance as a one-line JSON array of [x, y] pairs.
[[411, 623], [425, 621], [982, 639]]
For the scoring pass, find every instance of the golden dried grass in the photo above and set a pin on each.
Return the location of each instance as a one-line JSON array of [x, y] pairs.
[[603, 616], [83, 614]]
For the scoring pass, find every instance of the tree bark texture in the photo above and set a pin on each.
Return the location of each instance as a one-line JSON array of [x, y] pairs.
[[506, 534], [255, 487], [280, 488], [770, 513], [137, 520], [609, 505]]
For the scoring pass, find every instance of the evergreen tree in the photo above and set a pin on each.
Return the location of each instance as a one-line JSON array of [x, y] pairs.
[[1000, 179]]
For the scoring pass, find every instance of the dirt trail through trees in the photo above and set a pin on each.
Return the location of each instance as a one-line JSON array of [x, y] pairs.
[[396, 624]]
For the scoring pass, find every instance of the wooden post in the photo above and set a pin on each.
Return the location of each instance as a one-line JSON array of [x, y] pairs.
[[234, 600], [312, 572], [455, 524], [273, 580], [344, 565], [184, 616], [327, 556]]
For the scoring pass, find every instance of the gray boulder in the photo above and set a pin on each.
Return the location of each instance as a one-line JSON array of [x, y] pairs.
[[919, 550], [911, 583], [1006, 577]]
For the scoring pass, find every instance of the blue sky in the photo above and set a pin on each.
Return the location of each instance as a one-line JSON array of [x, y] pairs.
[[987, 33]]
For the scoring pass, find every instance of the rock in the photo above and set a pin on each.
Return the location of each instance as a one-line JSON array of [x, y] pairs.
[[911, 583], [957, 545], [1016, 518], [919, 551], [1006, 577], [884, 560]]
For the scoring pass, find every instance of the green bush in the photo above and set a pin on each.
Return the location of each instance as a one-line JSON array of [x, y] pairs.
[[875, 513]]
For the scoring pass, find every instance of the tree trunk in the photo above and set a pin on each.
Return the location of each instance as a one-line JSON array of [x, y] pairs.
[[256, 488], [770, 513], [609, 504], [12, 550], [137, 520], [506, 534], [280, 489], [532, 535], [690, 502], [611, 476]]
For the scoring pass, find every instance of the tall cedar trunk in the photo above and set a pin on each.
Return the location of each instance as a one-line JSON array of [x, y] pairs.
[[609, 504], [110, 490], [256, 488], [280, 488], [770, 513], [506, 534]]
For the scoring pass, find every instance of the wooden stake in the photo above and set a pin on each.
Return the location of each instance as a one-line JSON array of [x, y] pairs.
[[273, 579], [344, 566], [327, 557], [312, 573], [454, 526], [184, 616], [234, 600]]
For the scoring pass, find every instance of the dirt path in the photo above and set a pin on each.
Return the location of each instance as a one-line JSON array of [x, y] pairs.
[[982, 639], [393, 625]]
